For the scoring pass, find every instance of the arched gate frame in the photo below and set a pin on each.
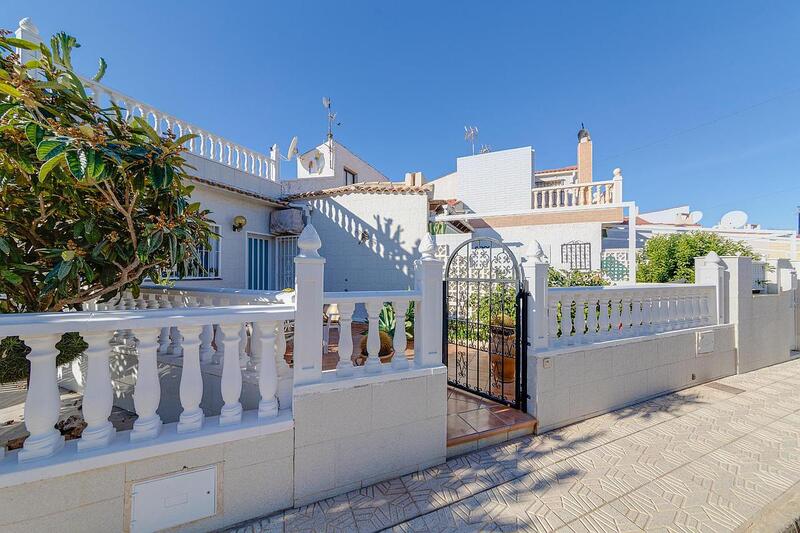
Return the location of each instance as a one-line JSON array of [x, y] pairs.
[[485, 317]]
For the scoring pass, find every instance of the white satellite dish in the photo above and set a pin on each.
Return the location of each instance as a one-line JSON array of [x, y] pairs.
[[733, 219], [695, 217], [292, 149]]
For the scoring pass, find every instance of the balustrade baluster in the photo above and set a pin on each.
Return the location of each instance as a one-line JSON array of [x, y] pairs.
[[567, 321], [206, 353], [399, 359], [163, 338], [175, 335], [280, 350], [604, 319], [616, 317], [552, 312], [98, 396], [231, 382], [147, 391], [625, 314], [43, 402], [647, 313], [264, 332], [592, 317], [191, 386], [242, 351], [580, 318], [373, 363], [636, 313]]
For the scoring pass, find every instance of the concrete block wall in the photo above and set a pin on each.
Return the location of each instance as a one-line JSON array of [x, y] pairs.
[[368, 431], [580, 382], [254, 477], [765, 337]]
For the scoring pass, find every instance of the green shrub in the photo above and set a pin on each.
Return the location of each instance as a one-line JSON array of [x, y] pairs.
[[15, 367], [670, 258]]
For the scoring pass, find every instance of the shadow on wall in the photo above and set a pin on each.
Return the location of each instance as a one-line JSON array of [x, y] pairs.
[[364, 256]]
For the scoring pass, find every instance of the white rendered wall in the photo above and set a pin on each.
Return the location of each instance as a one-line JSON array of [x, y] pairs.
[[394, 224], [496, 181], [763, 339], [351, 437], [323, 176], [446, 187], [585, 381], [217, 172], [224, 206], [550, 236]]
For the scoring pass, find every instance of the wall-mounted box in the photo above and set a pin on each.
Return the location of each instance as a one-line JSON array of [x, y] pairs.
[[173, 499]]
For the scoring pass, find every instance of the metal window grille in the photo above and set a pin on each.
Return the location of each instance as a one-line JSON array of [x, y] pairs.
[[284, 258], [577, 255], [209, 266]]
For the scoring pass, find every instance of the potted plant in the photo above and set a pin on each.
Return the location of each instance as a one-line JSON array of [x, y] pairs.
[[385, 352], [503, 347]]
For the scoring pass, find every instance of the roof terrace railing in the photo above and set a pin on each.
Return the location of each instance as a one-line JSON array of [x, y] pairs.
[[206, 145]]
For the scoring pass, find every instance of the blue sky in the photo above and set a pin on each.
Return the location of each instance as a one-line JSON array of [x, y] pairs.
[[697, 102]]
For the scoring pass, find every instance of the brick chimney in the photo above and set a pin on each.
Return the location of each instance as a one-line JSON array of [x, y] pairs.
[[584, 156]]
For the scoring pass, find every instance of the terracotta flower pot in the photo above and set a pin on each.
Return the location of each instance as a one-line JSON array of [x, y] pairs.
[[503, 353]]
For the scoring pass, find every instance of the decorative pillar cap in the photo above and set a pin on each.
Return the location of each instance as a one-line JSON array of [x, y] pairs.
[[309, 242], [28, 25], [713, 258], [617, 173]]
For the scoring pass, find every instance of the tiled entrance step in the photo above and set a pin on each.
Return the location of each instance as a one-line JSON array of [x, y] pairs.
[[474, 423]]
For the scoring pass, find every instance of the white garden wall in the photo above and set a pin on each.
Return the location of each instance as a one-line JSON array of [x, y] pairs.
[[375, 428], [572, 384]]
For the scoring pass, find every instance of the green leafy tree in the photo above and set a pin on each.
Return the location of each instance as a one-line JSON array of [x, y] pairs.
[[575, 278], [91, 203], [670, 258]]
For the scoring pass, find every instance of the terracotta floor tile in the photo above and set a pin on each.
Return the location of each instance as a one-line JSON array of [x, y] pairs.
[[458, 427], [482, 420]]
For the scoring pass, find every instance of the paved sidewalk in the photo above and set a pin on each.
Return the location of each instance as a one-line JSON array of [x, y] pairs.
[[711, 458]]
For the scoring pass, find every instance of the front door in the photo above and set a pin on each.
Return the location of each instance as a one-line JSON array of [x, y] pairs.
[[484, 335], [258, 249]]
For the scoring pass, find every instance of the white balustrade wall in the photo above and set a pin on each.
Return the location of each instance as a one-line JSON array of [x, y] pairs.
[[597, 193], [206, 144], [142, 323], [583, 315]]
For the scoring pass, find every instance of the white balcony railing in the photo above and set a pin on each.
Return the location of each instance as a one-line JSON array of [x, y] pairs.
[[151, 326], [206, 145], [581, 315], [597, 193], [373, 301]]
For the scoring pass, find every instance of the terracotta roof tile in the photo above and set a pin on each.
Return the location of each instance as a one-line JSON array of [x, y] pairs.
[[274, 201], [369, 188], [555, 170]]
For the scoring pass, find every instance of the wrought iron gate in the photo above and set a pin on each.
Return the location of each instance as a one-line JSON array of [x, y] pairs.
[[485, 310]]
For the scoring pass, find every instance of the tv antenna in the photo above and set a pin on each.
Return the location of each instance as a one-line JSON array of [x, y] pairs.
[[327, 103], [470, 134]]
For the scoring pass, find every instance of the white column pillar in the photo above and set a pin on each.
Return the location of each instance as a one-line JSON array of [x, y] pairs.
[[191, 386], [633, 213], [535, 269], [98, 397], [373, 363], [399, 359], [710, 270], [206, 353], [264, 334], [147, 392], [309, 274], [428, 347], [43, 402], [231, 382], [344, 367]]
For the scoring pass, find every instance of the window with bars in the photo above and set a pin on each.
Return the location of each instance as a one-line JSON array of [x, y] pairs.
[[577, 255], [286, 250], [209, 267]]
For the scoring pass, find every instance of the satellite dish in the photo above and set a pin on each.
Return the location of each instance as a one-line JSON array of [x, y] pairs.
[[733, 219], [292, 149], [695, 217]]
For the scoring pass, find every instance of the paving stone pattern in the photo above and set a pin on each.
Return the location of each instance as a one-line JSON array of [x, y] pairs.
[[707, 458]]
